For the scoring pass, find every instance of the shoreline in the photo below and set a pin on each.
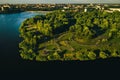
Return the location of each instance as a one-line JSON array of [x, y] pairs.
[[25, 11], [44, 12]]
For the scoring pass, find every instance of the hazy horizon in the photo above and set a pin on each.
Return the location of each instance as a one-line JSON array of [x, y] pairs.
[[57, 1]]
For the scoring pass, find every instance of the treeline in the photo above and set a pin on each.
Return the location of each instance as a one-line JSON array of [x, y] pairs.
[[42, 9], [71, 36]]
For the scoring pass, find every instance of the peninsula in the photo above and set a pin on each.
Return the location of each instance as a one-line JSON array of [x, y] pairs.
[[71, 35]]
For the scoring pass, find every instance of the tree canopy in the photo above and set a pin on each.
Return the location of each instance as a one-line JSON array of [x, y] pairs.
[[71, 36]]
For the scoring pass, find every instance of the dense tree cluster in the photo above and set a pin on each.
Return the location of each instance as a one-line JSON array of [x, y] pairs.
[[71, 36]]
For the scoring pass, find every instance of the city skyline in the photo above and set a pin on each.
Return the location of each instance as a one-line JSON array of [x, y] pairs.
[[58, 1]]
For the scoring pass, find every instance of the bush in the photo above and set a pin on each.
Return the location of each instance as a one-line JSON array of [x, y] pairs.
[[103, 55], [69, 56], [114, 54], [92, 55], [81, 56], [41, 58], [54, 56]]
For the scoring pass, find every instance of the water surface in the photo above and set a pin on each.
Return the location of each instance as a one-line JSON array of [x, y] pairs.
[[9, 38]]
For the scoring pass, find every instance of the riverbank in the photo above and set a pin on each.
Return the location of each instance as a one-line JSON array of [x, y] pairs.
[[43, 12], [12, 12]]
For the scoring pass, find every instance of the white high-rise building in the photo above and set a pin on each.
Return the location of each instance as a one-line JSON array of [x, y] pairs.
[[2, 8], [85, 10]]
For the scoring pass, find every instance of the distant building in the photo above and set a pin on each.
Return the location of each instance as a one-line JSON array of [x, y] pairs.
[[8, 6], [63, 10], [89, 9], [114, 9], [85, 10], [66, 7], [5, 7], [98, 7], [2, 8]]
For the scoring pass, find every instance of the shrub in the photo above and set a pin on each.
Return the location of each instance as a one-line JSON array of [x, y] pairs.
[[103, 55], [92, 55]]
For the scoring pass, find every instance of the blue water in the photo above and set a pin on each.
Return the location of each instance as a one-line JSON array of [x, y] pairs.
[[9, 23], [9, 38]]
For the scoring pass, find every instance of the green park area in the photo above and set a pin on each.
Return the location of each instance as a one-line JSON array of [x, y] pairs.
[[68, 35]]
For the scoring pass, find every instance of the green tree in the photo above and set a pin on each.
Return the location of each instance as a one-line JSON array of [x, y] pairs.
[[114, 54], [92, 55], [103, 55], [54, 56], [81, 56]]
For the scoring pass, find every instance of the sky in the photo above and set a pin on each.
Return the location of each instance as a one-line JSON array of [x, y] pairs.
[[58, 1]]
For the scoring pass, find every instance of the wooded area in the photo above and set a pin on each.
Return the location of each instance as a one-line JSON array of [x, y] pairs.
[[71, 36]]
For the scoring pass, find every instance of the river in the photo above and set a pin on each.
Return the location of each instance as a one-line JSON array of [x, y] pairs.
[[10, 59]]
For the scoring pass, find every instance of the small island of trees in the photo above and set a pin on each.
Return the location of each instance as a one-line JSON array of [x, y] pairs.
[[71, 36]]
